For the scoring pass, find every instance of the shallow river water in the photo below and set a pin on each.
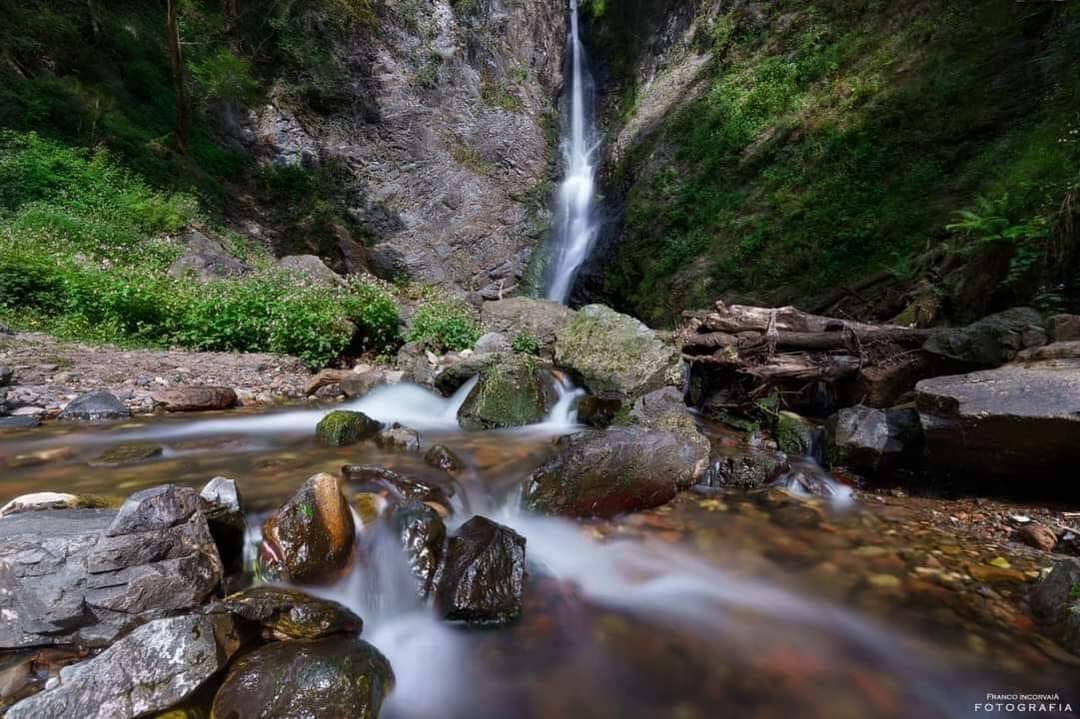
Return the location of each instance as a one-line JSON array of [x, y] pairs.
[[741, 604]]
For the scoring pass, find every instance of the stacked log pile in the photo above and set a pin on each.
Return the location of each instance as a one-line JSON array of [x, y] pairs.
[[784, 347]]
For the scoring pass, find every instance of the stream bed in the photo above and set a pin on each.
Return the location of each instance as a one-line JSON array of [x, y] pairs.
[[749, 604]]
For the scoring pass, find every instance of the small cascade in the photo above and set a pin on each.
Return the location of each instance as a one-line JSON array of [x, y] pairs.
[[576, 226]]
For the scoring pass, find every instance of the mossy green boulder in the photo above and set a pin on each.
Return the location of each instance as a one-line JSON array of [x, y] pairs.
[[341, 428], [514, 392], [615, 355]]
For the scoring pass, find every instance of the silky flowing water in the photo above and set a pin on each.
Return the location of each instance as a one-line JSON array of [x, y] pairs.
[[759, 604]]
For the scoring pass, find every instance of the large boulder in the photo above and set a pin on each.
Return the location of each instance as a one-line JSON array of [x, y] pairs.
[[100, 406], [321, 678], [1057, 603], [665, 409], [874, 440], [311, 269], [155, 667], [282, 613], [513, 392], [1017, 421], [605, 473], [205, 259], [993, 340], [615, 355], [194, 399], [483, 581], [543, 319], [85, 576], [450, 378], [342, 427], [311, 538]]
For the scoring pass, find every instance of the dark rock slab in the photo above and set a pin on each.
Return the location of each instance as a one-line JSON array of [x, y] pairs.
[[85, 576], [6, 375], [283, 613], [17, 423], [194, 399], [322, 678], [605, 473], [373, 478], [1021, 420], [750, 470], [442, 457], [483, 581], [125, 454], [224, 511], [310, 538], [155, 667], [97, 406], [206, 260]]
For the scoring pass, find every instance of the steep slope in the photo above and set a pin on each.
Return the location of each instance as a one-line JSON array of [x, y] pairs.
[[768, 151], [411, 138]]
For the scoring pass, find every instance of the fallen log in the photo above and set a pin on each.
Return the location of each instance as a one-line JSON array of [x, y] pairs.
[[733, 319], [805, 368]]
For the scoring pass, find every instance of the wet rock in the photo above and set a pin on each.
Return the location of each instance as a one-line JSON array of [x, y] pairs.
[[363, 382], [483, 581], [95, 407], [1064, 328], [664, 409], [194, 399], [6, 375], [794, 434], [126, 454], [1038, 536], [398, 438], [372, 478], [745, 471], [423, 537], [30, 411], [311, 537], [993, 340], [39, 501], [341, 428], [17, 423], [1015, 421], [442, 457], [1055, 351], [492, 342], [284, 613], [310, 269], [85, 576], [206, 260], [615, 355], [322, 678], [885, 386], [451, 378], [512, 393], [874, 440], [155, 667], [222, 506], [1056, 602], [542, 319], [413, 360], [605, 473], [154, 510]]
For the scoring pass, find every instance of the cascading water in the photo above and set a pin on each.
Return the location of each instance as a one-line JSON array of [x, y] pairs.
[[575, 207]]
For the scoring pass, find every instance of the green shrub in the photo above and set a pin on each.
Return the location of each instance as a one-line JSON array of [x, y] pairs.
[[445, 326], [526, 343]]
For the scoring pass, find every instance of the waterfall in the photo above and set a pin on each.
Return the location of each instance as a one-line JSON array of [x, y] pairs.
[[575, 206]]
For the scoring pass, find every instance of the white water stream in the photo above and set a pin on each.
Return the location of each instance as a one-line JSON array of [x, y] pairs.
[[576, 226]]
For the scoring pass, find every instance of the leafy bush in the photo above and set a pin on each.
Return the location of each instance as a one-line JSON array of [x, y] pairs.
[[445, 326], [525, 343]]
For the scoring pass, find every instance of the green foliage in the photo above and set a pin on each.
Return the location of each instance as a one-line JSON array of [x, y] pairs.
[[223, 75], [835, 140], [526, 343], [445, 326]]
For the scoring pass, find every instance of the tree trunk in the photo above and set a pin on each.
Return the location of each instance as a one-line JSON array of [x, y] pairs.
[[95, 21], [176, 60]]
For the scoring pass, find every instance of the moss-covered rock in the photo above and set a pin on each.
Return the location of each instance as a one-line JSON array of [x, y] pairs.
[[615, 355], [794, 435], [341, 428], [514, 392]]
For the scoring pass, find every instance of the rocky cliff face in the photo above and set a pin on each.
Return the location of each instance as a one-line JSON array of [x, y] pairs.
[[444, 139]]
